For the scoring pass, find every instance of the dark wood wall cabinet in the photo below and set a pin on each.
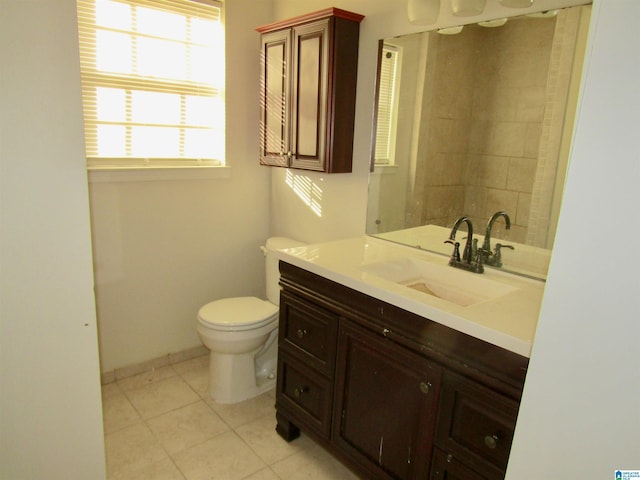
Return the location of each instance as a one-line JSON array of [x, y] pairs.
[[308, 90], [391, 394]]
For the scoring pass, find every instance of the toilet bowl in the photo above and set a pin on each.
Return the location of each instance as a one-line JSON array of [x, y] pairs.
[[242, 336]]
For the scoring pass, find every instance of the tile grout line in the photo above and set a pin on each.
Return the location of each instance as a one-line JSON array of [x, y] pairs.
[[144, 421], [227, 419]]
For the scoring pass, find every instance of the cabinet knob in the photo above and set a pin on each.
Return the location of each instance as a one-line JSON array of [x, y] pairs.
[[425, 387], [297, 392], [491, 441], [301, 333]]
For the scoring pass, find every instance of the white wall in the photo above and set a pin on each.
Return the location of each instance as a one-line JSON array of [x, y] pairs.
[[580, 415], [163, 249], [50, 411]]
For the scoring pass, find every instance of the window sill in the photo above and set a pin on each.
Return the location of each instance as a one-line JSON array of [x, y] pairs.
[[156, 174], [381, 169]]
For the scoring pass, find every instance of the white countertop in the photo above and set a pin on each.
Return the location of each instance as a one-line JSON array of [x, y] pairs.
[[508, 321]]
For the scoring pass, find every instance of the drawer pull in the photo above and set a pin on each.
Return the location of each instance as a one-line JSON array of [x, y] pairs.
[[301, 333], [297, 392], [425, 387], [491, 441]]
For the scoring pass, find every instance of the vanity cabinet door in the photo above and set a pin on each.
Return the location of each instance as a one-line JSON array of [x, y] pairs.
[[476, 425], [386, 405]]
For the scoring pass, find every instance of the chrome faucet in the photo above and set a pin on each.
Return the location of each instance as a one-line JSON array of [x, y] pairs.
[[467, 262], [494, 258]]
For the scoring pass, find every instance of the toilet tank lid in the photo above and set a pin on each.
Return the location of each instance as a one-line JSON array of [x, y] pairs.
[[277, 243], [237, 311]]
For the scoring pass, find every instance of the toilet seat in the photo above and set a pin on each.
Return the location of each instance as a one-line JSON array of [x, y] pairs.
[[238, 313]]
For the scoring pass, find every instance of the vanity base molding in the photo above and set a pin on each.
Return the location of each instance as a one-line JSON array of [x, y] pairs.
[[391, 394]]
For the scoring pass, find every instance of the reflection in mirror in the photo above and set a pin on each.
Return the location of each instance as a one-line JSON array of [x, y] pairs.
[[477, 122]]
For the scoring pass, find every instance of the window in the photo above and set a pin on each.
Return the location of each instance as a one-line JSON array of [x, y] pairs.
[[152, 82], [387, 106]]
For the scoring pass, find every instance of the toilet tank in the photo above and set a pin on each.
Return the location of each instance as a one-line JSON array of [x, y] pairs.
[[271, 265]]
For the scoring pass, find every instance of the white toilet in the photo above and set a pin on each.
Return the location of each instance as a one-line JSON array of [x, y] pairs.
[[242, 334]]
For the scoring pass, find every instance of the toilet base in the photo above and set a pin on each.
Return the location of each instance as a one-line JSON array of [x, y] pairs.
[[233, 378]]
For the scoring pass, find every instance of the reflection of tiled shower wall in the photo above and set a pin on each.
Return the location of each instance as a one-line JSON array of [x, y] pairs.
[[486, 122], [444, 135]]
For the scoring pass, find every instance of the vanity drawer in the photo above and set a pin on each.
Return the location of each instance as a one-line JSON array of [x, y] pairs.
[[446, 467], [304, 394], [476, 425], [309, 332]]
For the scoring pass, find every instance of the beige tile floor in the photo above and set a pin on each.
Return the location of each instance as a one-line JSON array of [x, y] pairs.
[[161, 425]]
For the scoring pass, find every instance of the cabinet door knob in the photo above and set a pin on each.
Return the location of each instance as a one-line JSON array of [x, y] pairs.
[[425, 387], [301, 333], [491, 441], [297, 392]]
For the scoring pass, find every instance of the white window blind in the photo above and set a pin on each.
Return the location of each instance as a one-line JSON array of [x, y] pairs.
[[152, 82], [387, 105]]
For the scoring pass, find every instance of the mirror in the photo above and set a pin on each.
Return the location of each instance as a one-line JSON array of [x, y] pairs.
[[473, 123]]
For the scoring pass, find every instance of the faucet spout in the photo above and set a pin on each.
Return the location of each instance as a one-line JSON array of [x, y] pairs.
[[486, 245], [468, 262], [466, 255]]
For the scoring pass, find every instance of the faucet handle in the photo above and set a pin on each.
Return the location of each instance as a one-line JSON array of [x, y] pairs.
[[455, 256], [497, 255], [500, 245]]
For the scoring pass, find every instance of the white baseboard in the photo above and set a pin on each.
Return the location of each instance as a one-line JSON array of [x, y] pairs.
[[163, 361]]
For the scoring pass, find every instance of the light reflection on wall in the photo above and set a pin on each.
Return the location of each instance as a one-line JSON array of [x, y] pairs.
[[307, 190]]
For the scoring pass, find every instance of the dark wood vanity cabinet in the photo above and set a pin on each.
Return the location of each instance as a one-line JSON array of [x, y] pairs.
[[308, 90], [390, 393], [386, 398]]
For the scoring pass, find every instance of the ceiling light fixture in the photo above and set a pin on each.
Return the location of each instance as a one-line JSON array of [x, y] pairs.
[[498, 22], [467, 8], [450, 30]]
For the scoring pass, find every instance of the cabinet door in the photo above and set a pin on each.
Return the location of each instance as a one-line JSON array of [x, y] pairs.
[[386, 406], [476, 425], [310, 64], [275, 98]]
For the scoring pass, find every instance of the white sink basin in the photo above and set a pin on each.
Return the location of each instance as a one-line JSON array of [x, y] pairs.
[[441, 281]]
